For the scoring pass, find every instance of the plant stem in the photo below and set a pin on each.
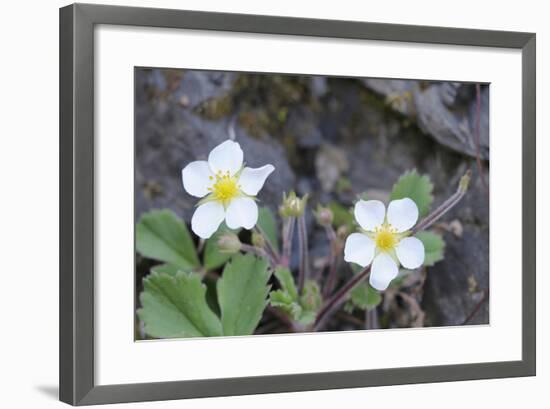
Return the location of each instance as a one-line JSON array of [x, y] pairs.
[[268, 245], [371, 319], [477, 307], [247, 248], [333, 261], [304, 253], [445, 206], [339, 297], [288, 235]]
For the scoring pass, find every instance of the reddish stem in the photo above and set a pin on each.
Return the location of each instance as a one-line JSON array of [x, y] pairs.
[[333, 261], [339, 297]]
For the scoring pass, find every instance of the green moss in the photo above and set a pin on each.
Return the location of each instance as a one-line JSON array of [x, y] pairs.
[[216, 108]]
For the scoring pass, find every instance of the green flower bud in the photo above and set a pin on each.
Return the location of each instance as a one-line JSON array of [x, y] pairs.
[[324, 216], [292, 205], [229, 243], [465, 181]]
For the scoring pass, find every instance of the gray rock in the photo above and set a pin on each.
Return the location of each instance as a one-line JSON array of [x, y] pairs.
[[197, 87], [303, 125], [446, 111]]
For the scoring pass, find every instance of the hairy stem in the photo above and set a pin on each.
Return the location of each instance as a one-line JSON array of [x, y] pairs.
[[477, 307], [247, 248], [333, 261], [333, 303], [270, 249], [371, 319], [445, 206], [288, 235], [304, 252]]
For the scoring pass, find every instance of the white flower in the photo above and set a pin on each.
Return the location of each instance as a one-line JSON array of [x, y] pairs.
[[384, 240], [226, 187]]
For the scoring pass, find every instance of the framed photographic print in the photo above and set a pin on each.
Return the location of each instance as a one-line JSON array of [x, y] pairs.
[[254, 204]]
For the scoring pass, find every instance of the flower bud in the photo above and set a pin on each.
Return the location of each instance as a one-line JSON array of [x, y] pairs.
[[465, 181], [258, 240], [324, 216], [229, 243], [292, 205]]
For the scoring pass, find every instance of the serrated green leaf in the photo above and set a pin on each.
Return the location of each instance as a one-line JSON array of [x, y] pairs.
[[307, 317], [175, 307], [268, 223], [311, 299], [242, 293], [302, 309], [162, 236], [169, 269], [286, 280], [213, 257], [287, 297], [364, 297], [434, 247], [281, 299], [416, 187]]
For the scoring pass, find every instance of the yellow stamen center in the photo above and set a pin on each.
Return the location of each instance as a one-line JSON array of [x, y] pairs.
[[386, 237], [225, 187]]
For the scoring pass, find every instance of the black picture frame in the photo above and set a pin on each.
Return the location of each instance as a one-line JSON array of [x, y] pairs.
[[76, 282]]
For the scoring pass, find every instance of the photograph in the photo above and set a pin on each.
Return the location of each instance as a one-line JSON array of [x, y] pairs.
[[281, 203]]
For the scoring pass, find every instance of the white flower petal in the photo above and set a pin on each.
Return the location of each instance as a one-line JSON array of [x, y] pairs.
[[410, 252], [383, 270], [252, 180], [207, 218], [227, 156], [402, 214], [242, 212], [369, 213], [196, 178], [359, 249]]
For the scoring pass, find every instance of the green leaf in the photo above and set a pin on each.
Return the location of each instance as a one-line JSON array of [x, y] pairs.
[[364, 297], [268, 223], [175, 307], [286, 280], [287, 297], [342, 216], [169, 269], [213, 257], [281, 299], [434, 247], [416, 187], [162, 236], [311, 299], [398, 281], [242, 292], [302, 308]]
